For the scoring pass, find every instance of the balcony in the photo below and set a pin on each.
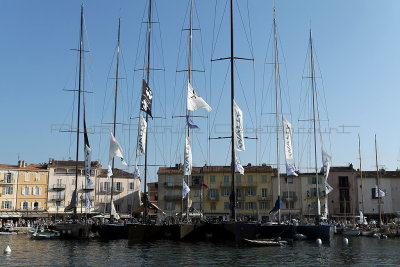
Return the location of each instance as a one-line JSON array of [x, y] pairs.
[[31, 209], [289, 198], [173, 197], [58, 186], [212, 197], [88, 187], [225, 184], [118, 190], [6, 182], [57, 198], [267, 197], [166, 184]]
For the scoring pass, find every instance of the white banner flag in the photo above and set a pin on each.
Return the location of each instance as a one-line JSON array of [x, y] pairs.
[[327, 163], [290, 169], [238, 167], [238, 127], [195, 102], [187, 165], [114, 212], [115, 150], [185, 189], [109, 173], [141, 142], [137, 172], [381, 192], [288, 130], [88, 204], [328, 188], [88, 160]]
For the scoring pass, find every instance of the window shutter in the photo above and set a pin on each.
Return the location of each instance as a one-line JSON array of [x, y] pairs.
[[40, 190], [11, 190], [22, 205], [2, 204], [29, 190]]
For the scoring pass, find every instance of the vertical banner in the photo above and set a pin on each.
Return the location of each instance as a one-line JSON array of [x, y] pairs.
[[238, 127], [147, 98], [187, 165], [141, 142], [287, 131]]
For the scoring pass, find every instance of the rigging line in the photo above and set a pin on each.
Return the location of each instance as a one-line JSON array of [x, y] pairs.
[[219, 30], [220, 97], [287, 81], [200, 146], [263, 81], [244, 95], [244, 29]]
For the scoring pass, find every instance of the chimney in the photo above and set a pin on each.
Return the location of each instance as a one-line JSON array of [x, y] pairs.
[[51, 161], [19, 163], [24, 164]]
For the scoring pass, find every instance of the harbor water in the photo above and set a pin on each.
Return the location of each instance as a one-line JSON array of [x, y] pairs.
[[360, 251]]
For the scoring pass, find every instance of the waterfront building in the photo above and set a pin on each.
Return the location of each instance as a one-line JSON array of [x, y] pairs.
[[309, 201], [8, 191], [62, 185], [126, 193], [253, 191], [291, 195], [152, 189]]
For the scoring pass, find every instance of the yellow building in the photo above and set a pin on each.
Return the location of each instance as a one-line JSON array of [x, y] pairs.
[[23, 190], [253, 191]]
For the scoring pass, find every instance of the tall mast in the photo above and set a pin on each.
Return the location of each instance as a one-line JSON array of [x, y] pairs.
[[147, 115], [233, 193], [189, 79], [361, 177], [377, 181], [314, 89], [79, 110], [115, 111], [277, 113]]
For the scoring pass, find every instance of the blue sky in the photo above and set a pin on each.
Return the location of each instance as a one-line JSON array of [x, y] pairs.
[[357, 45]]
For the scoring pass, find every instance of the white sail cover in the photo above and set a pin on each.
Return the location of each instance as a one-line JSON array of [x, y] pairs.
[[88, 204], [287, 131], [88, 161], [328, 188], [136, 174], [115, 150], [195, 102], [327, 163], [318, 207], [113, 211], [238, 167], [185, 189], [141, 142], [238, 127], [187, 165]]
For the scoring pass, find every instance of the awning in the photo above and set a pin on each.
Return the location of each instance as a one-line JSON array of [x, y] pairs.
[[10, 215]]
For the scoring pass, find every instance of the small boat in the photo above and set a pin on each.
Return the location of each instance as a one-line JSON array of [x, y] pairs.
[[265, 242], [45, 234], [367, 233], [352, 232], [8, 231]]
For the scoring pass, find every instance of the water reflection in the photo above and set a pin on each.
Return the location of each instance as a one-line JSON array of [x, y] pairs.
[[359, 251]]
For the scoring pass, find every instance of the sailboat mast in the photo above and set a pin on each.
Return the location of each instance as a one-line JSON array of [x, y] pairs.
[[277, 113], [189, 79], [233, 193], [315, 132], [147, 115], [377, 181], [115, 113], [79, 110], [361, 176]]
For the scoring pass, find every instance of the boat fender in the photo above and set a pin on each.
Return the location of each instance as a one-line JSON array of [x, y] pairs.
[[319, 241], [345, 241], [7, 250]]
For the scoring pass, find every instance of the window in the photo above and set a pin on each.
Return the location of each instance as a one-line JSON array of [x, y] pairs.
[[37, 177], [289, 180], [291, 195], [264, 193], [24, 205], [265, 206], [227, 205], [226, 180], [212, 178], [26, 190], [226, 192], [239, 194], [26, 177], [251, 191], [35, 206], [196, 180], [131, 186], [213, 194], [196, 205], [117, 207], [106, 186], [263, 178], [59, 181], [196, 193], [239, 205], [169, 205], [6, 204], [213, 206], [250, 179], [8, 190], [37, 191], [118, 186], [58, 194], [238, 180], [8, 178], [170, 181], [129, 207], [343, 181], [250, 205], [289, 204], [58, 204], [73, 181]]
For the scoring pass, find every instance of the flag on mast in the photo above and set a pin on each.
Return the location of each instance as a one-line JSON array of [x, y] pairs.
[[287, 131], [88, 151], [147, 98], [187, 165], [195, 102], [185, 189], [238, 127], [141, 142], [115, 150]]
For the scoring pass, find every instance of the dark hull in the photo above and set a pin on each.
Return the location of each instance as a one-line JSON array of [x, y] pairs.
[[113, 231], [224, 231], [177, 231], [278, 230], [324, 232], [74, 230], [143, 232]]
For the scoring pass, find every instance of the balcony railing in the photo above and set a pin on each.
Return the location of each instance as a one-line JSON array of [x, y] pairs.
[[88, 187], [6, 182], [166, 184], [58, 186], [289, 198], [57, 198], [267, 197], [118, 190], [31, 209], [173, 197], [213, 197]]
